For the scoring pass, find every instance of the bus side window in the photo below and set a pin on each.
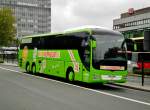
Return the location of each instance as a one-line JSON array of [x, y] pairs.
[[87, 55], [36, 42], [41, 44], [84, 52]]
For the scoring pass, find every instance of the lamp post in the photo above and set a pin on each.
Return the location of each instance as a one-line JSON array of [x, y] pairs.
[[142, 70]]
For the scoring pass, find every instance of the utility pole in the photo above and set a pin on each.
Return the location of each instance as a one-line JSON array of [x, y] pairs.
[[142, 71]]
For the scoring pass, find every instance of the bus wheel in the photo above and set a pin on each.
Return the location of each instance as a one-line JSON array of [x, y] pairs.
[[27, 68], [70, 76], [33, 69]]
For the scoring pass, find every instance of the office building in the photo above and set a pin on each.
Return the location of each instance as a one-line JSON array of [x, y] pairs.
[[133, 23], [32, 16]]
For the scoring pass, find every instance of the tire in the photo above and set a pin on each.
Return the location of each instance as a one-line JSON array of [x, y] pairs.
[[70, 76], [27, 68], [33, 70]]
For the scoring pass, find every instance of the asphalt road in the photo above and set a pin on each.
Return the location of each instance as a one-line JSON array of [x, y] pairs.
[[22, 91]]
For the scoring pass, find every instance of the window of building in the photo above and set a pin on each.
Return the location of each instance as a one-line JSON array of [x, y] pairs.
[[31, 25], [148, 21], [144, 21], [135, 23], [141, 22], [127, 25]]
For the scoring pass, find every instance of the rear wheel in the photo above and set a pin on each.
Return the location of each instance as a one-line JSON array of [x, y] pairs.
[[33, 69], [27, 68]]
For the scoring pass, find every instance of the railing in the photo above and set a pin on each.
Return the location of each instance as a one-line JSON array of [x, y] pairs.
[[10, 58], [8, 55]]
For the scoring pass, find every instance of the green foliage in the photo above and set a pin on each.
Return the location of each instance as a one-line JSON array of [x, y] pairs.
[[7, 28]]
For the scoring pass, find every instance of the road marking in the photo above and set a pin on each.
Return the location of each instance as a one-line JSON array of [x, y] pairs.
[[104, 93]]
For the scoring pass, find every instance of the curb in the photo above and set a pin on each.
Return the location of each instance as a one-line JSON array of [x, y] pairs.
[[136, 75], [9, 64], [131, 87]]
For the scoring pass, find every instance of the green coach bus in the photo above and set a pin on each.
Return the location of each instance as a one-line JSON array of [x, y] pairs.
[[90, 54]]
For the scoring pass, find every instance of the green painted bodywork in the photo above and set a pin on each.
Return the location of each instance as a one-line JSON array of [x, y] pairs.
[[59, 66], [93, 43]]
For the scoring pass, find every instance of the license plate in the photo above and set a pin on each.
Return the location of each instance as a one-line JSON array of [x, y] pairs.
[[111, 77]]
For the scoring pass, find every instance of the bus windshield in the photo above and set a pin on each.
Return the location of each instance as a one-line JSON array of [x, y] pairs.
[[108, 50]]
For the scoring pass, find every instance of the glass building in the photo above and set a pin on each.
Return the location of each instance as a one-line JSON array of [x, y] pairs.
[[32, 16], [133, 23]]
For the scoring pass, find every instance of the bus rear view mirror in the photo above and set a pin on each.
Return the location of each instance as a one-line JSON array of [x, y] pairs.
[[93, 43], [129, 44], [84, 43]]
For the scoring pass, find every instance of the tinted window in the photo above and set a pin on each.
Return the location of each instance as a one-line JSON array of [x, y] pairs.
[[63, 42]]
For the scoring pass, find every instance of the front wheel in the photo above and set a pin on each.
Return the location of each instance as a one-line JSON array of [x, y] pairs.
[[70, 76]]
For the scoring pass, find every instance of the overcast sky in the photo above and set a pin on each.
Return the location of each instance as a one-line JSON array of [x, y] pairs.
[[73, 13]]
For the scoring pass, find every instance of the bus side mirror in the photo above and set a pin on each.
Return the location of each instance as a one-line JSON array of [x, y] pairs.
[[93, 43]]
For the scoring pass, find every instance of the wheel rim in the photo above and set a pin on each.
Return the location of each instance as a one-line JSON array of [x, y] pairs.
[[33, 70], [27, 68], [71, 76]]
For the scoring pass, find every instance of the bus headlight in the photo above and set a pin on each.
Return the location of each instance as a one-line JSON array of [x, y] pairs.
[[96, 76]]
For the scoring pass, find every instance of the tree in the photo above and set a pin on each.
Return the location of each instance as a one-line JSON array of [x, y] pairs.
[[7, 28]]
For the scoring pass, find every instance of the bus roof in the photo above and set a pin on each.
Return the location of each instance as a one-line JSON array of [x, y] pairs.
[[85, 27], [90, 29], [93, 29], [40, 35]]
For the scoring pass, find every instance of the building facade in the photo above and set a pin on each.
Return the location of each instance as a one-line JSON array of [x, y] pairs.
[[133, 23], [32, 16]]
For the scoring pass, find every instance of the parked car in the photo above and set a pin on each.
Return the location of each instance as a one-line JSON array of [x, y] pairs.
[[135, 63]]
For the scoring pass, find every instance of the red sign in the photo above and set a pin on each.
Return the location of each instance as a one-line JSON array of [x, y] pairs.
[[131, 11], [49, 54]]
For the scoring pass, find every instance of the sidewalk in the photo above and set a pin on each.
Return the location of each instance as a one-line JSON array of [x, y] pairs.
[[135, 82], [9, 64]]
